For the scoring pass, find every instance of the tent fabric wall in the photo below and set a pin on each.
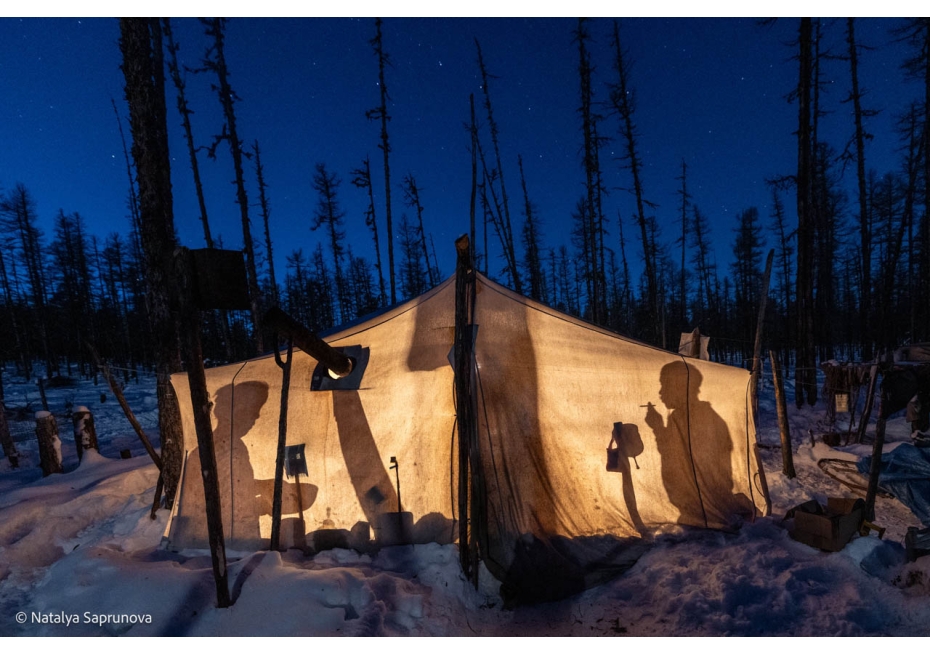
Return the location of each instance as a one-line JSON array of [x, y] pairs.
[[554, 396], [404, 409]]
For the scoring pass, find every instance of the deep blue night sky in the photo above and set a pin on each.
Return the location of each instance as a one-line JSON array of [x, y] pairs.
[[709, 91]]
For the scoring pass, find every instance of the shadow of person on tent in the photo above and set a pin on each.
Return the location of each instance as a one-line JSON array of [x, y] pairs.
[[695, 449], [236, 408]]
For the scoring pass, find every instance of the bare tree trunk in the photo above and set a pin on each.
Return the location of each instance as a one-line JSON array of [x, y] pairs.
[[865, 227], [876, 464], [494, 209], [266, 213], [685, 198], [506, 224], [474, 176], [361, 177], [805, 373], [869, 400], [185, 111], [134, 232], [760, 323], [532, 258], [227, 96], [784, 262], [412, 196], [620, 98], [11, 312], [926, 144], [589, 222], [382, 113], [145, 92]]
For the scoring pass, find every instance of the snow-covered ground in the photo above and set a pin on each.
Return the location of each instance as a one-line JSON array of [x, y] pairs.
[[80, 556]]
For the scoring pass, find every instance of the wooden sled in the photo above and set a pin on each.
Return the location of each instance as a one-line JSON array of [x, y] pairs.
[[845, 472]]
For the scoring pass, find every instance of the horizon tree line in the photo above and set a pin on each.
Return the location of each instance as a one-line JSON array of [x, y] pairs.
[[847, 280]]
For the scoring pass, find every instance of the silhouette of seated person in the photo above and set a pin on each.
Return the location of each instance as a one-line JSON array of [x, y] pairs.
[[695, 449], [626, 445], [236, 408]]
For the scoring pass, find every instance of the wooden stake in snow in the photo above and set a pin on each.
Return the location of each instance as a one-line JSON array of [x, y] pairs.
[[781, 406], [85, 434], [49, 443]]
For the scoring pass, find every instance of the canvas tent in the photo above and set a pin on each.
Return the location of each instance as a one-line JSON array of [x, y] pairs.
[[586, 442]]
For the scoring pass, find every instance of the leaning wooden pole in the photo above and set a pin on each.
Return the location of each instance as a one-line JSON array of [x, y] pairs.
[[781, 408], [760, 322], [121, 399], [202, 405], [869, 401], [876, 464]]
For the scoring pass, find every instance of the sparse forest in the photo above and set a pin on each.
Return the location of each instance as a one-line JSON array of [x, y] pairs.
[[850, 269]]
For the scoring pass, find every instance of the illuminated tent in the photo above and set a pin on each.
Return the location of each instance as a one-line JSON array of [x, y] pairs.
[[586, 442]]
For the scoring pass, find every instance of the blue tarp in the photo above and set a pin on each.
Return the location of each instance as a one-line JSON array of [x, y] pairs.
[[905, 472]]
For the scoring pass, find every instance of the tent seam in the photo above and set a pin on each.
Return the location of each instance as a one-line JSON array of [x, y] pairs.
[[697, 485], [232, 492]]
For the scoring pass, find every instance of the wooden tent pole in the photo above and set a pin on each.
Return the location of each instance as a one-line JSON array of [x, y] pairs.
[[471, 498], [462, 395], [282, 442]]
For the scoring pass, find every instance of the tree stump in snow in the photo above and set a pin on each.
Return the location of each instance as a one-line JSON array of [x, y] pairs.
[[49, 443], [85, 434]]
